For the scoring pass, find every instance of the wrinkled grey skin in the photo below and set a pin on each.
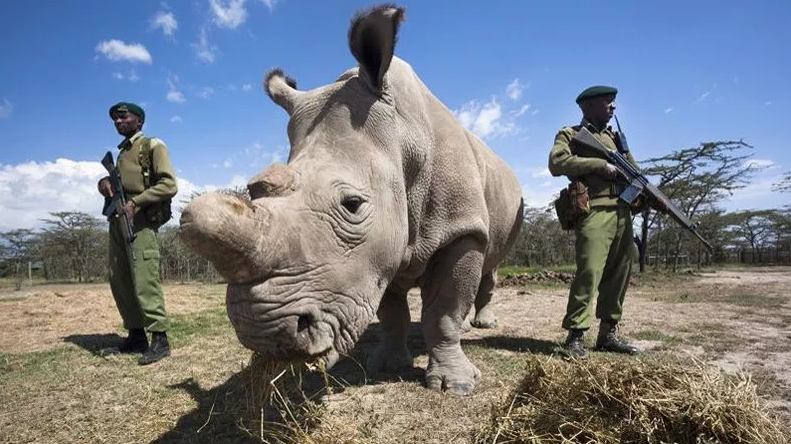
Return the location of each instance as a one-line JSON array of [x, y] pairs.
[[383, 191]]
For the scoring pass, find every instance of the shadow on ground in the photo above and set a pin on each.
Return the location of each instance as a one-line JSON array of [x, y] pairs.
[[516, 345], [94, 343]]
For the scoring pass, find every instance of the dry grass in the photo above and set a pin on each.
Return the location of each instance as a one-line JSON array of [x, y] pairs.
[[56, 388], [636, 401]]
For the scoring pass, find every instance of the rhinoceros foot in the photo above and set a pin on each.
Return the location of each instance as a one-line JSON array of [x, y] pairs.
[[449, 370], [484, 319], [389, 359]]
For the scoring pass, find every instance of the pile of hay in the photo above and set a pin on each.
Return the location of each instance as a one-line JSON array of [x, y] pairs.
[[605, 400], [276, 410]]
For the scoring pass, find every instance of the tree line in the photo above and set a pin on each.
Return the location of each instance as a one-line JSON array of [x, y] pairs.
[[73, 246]]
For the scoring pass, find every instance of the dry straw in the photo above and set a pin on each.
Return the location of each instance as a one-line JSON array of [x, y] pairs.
[[276, 408], [605, 400]]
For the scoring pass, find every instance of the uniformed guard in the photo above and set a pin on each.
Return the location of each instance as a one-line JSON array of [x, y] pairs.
[[149, 183], [605, 248]]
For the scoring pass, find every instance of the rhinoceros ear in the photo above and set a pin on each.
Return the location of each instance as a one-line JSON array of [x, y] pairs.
[[282, 89], [372, 40]]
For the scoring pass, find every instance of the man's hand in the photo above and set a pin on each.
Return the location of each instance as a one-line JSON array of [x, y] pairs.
[[129, 209], [105, 188], [658, 205], [610, 172]]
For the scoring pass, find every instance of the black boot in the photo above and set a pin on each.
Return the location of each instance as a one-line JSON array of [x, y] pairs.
[[574, 346], [608, 341], [159, 349], [135, 342]]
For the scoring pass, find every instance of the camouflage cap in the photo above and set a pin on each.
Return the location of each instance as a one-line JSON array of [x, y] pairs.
[[129, 108], [594, 91]]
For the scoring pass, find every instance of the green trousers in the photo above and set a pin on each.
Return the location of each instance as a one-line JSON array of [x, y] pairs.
[[137, 289], [605, 251]]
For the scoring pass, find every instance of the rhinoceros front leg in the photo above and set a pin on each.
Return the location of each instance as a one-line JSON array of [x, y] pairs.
[[392, 354], [448, 291], [484, 315]]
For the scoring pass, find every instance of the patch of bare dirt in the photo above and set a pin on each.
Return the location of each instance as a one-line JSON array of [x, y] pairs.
[[40, 317]]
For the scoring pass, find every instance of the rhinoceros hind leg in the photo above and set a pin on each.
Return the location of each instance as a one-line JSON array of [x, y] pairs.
[[392, 354], [448, 291], [484, 314]]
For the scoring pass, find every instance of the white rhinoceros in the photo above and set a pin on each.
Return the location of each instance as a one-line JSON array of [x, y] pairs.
[[383, 191]]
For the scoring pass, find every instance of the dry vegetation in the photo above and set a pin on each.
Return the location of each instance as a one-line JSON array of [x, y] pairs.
[[55, 388]]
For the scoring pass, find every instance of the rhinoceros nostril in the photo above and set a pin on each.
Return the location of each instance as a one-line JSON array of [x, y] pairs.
[[303, 323]]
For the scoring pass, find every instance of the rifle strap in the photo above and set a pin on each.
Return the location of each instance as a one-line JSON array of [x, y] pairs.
[[146, 161]]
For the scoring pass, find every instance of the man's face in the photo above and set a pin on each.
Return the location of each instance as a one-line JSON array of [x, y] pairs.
[[599, 109], [126, 123]]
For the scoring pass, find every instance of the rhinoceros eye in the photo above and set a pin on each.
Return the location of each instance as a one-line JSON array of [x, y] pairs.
[[352, 203]]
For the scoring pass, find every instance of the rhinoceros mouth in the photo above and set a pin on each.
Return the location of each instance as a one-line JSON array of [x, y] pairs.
[[277, 329]]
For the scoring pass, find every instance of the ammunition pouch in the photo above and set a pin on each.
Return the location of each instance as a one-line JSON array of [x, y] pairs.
[[572, 204]]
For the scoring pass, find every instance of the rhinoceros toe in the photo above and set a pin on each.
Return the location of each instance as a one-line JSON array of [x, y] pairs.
[[484, 319], [453, 379]]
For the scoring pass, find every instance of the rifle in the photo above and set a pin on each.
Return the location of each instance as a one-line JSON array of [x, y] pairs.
[[114, 207], [636, 183]]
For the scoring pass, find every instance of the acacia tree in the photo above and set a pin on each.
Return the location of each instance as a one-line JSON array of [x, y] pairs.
[[755, 229], [541, 240], [784, 186], [17, 249], [78, 238], [696, 179]]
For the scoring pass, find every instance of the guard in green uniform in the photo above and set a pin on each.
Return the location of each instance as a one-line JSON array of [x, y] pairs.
[[605, 248], [149, 182]]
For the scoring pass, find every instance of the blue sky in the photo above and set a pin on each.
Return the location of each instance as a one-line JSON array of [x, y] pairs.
[[687, 72]]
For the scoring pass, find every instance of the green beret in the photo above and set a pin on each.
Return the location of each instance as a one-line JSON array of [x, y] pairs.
[[129, 108], [598, 90]]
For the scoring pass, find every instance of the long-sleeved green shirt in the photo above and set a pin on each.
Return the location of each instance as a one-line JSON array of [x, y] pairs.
[[162, 176], [564, 162]]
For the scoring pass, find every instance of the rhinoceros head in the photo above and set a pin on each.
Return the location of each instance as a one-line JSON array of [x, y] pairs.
[[308, 258]]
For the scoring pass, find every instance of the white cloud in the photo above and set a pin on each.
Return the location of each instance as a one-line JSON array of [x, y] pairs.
[[270, 3], [176, 119], [132, 77], [247, 87], [761, 163], [757, 194], [703, 96], [228, 13], [706, 94], [485, 119], [514, 90], [165, 21], [521, 110], [30, 191], [227, 163], [203, 49], [117, 50], [6, 109], [206, 93], [174, 95], [668, 110]]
